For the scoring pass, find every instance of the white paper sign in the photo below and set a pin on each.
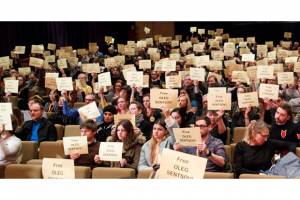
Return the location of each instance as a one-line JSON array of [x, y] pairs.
[[269, 91], [111, 151], [135, 78], [104, 79], [11, 86], [76, 144], [187, 136], [285, 78], [197, 74], [265, 72], [248, 57], [5, 119], [89, 111], [247, 99], [144, 64], [58, 168], [168, 65], [64, 83], [6, 108]]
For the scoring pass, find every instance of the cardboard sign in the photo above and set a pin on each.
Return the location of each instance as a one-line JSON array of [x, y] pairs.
[[64, 83], [240, 76], [287, 35], [197, 74], [251, 72], [248, 57], [218, 101], [168, 65], [187, 136], [201, 31], [144, 64], [269, 91], [265, 72], [36, 62], [89, 111], [292, 59], [76, 144], [119, 117], [38, 49], [11, 86], [5, 119], [6, 108], [178, 165], [173, 81], [24, 71], [58, 168], [285, 78], [135, 78], [111, 151], [145, 81], [51, 46], [247, 99], [200, 61], [4, 62], [20, 50], [91, 68], [62, 63], [199, 47], [215, 65], [217, 90], [163, 98], [104, 79]]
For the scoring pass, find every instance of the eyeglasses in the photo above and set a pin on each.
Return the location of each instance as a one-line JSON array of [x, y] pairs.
[[201, 125]]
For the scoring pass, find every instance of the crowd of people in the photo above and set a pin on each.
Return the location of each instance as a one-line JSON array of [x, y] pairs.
[[272, 125]]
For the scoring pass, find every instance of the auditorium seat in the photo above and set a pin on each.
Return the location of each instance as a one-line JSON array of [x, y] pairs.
[[82, 172], [228, 136], [232, 151], [29, 151], [145, 174], [2, 168], [22, 171], [49, 114], [228, 153], [72, 130], [218, 175], [257, 176], [239, 133], [298, 151], [113, 173], [60, 129]]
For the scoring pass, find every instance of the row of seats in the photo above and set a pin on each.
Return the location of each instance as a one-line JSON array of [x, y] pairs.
[[25, 171]]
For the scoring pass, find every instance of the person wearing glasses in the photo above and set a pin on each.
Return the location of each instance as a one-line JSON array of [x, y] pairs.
[[254, 153], [210, 147]]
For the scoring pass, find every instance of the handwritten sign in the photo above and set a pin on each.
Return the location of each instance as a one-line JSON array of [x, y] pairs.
[[104, 79], [91, 68], [62, 63], [197, 73], [285, 78], [146, 81], [36, 62], [240, 76], [20, 50], [24, 71], [173, 82], [217, 90], [144, 64], [5, 119], [187, 136], [177, 165], [38, 49], [51, 46], [163, 98], [111, 151], [76, 144], [265, 72], [135, 78], [168, 65], [11, 86], [64, 83], [219, 101], [269, 91], [89, 111], [58, 168], [119, 117], [246, 99], [200, 61], [248, 57]]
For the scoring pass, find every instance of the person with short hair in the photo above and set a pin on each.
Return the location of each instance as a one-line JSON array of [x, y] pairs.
[[105, 127]]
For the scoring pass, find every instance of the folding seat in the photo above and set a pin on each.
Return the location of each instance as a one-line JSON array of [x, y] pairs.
[[29, 151], [218, 175], [60, 129], [145, 174], [239, 133], [228, 153], [82, 172], [257, 176], [72, 130], [17, 171], [113, 173]]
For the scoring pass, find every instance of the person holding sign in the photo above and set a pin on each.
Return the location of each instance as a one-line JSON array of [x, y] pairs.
[[217, 127], [85, 88], [39, 128], [210, 148], [88, 129], [151, 114], [256, 151], [132, 144], [10, 145]]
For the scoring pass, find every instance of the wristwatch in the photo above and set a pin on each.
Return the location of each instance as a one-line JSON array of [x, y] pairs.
[[209, 153]]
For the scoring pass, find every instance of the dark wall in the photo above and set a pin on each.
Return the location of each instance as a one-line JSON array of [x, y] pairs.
[[77, 34], [263, 31]]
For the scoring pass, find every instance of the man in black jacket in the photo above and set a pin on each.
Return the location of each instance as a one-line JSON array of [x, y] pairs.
[[39, 128]]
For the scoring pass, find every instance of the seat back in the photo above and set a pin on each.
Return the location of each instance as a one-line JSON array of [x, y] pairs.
[[232, 151], [14, 171], [82, 172], [228, 153], [72, 130], [60, 129], [228, 136], [112, 173], [51, 150], [239, 133], [29, 151], [2, 169], [218, 175], [257, 176], [298, 151], [145, 174]]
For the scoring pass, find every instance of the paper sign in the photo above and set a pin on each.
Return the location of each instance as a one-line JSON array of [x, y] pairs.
[[135, 78], [229, 62], [145, 81], [193, 29], [111, 151], [219, 101], [200, 61], [173, 81], [297, 67], [197, 74], [269, 91], [62, 63], [91, 68], [215, 65], [168, 65], [229, 49], [175, 56], [50, 83], [251, 40], [58, 168], [240, 76], [183, 74], [201, 31], [76, 144], [20, 50], [104, 79], [248, 57], [11, 86], [39, 49], [178, 165], [278, 68], [51, 46], [24, 71], [247, 99], [285, 78], [6, 108], [187, 136], [217, 90], [265, 72], [109, 63], [89, 111], [119, 117], [144, 64], [251, 72], [244, 51], [293, 59], [217, 55], [4, 62], [64, 83], [269, 44], [178, 37], [141, 44], [50, 59], [36, 62], [163, 98], [287, 35], [199, 47], [5, 119], [93, 47], [272, 55]]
